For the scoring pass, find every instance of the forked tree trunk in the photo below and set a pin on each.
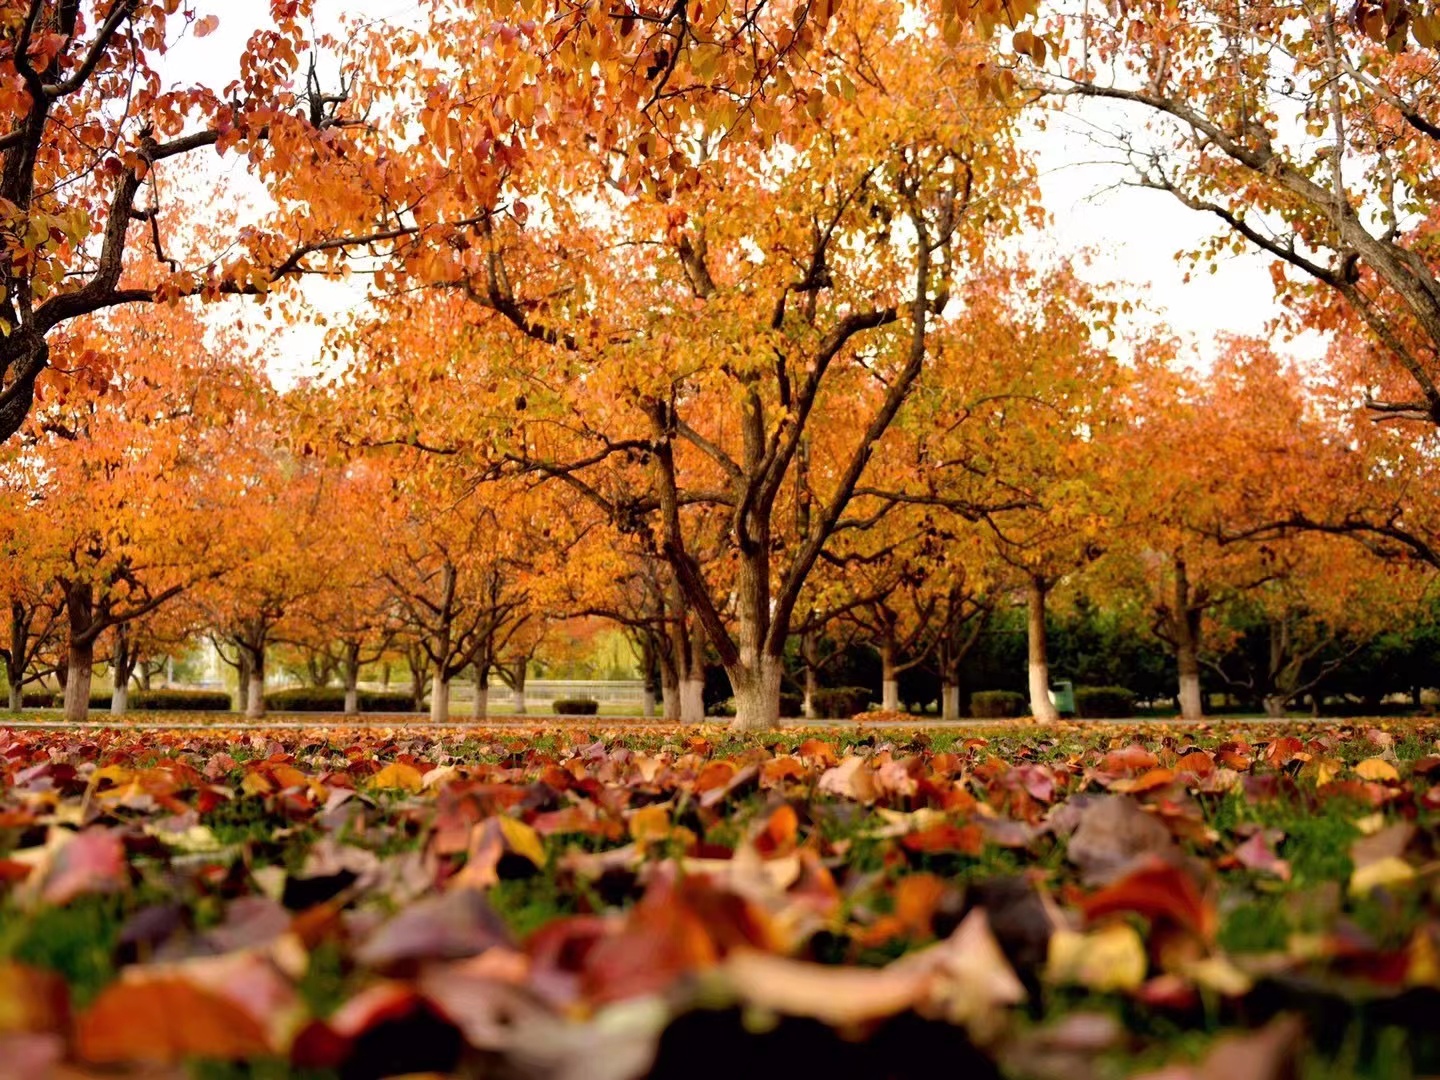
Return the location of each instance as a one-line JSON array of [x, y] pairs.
[[1041, 707], [439, 699], [1274, 706]]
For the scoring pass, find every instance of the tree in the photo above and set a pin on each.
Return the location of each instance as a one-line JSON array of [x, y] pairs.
[[1308, 131], [684, 331]]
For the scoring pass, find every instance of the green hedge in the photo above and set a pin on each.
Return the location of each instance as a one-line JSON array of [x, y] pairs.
[[576, 706], [140, 700], [179, 701], [1104, 702], [998, 704], [841, 702], [332, 699]]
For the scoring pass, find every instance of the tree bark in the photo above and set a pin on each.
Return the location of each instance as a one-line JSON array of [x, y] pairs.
[[1041, 708], [480, 707], [757, 695], [1274, 706], [810, 652], [1186, 622], [352, 679], [255, 706], [121, 665], [439, 698], [518, 686], [80, 655], [949, 701], [692, 701], [242, 683], [17, 698], [647, 701], [670, 699]]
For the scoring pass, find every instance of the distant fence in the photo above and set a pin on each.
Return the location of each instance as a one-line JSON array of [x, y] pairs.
[[605, 691]]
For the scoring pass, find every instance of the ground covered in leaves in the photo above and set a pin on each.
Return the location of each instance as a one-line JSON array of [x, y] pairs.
[[1077, 901]]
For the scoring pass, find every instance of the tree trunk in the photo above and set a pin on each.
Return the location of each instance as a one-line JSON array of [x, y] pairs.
[[889, 681], [949, 701], [518, 687], [80, 665], [480, 709], [757, 695], [80, 657], [439, 699], [1041, 708], [1274, 706], [255, 705], [670, 700], [352, 679], [17, 697], [692, 701], [255, 698], [1186, 623], [810, 653], [647, 701], [242, 683], [120, 667]]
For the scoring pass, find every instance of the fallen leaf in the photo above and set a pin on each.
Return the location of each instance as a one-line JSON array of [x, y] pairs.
[[1106, 960]]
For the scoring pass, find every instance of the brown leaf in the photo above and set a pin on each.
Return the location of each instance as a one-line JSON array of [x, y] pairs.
[[1114, 832], [457, 924], [92, 860], [1159, 891]]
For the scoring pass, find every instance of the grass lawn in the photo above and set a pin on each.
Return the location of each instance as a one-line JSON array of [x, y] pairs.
[[1231, 900]]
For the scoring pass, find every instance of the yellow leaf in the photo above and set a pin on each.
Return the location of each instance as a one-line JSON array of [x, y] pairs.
[[650, 822], [1382, 873], [523, 840], [1376, 769], [398, 775], [255, 783], [1108, 959], [1217, 973]]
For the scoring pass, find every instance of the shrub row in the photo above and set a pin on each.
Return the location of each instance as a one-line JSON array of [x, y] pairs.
[[140, 700], [576, 706], [841, 702], [1104, 702], [998, 704], [332, 699]]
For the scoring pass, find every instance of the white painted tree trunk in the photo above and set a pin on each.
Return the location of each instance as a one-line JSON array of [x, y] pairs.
[[120, 698], [647, 702], [518, 697], [692, 701], [439, 699], [1041, 707], [80, 667], [17, 698], [670, 701], [950, 702], [481, 707], [255, 703], [352, 701], [757, 696], [1192, 704], [890, 695]]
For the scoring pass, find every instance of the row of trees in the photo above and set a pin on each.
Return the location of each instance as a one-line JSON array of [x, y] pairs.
[[1029, 471], [705, 319]]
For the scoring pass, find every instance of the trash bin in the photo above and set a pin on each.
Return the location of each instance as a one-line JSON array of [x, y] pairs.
[[1062, 696]]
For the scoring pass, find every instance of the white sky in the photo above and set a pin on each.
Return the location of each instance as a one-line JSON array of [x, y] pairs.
[[1131, 234]]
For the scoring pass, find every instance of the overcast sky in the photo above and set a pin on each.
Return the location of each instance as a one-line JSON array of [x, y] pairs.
[[1132, 235]]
